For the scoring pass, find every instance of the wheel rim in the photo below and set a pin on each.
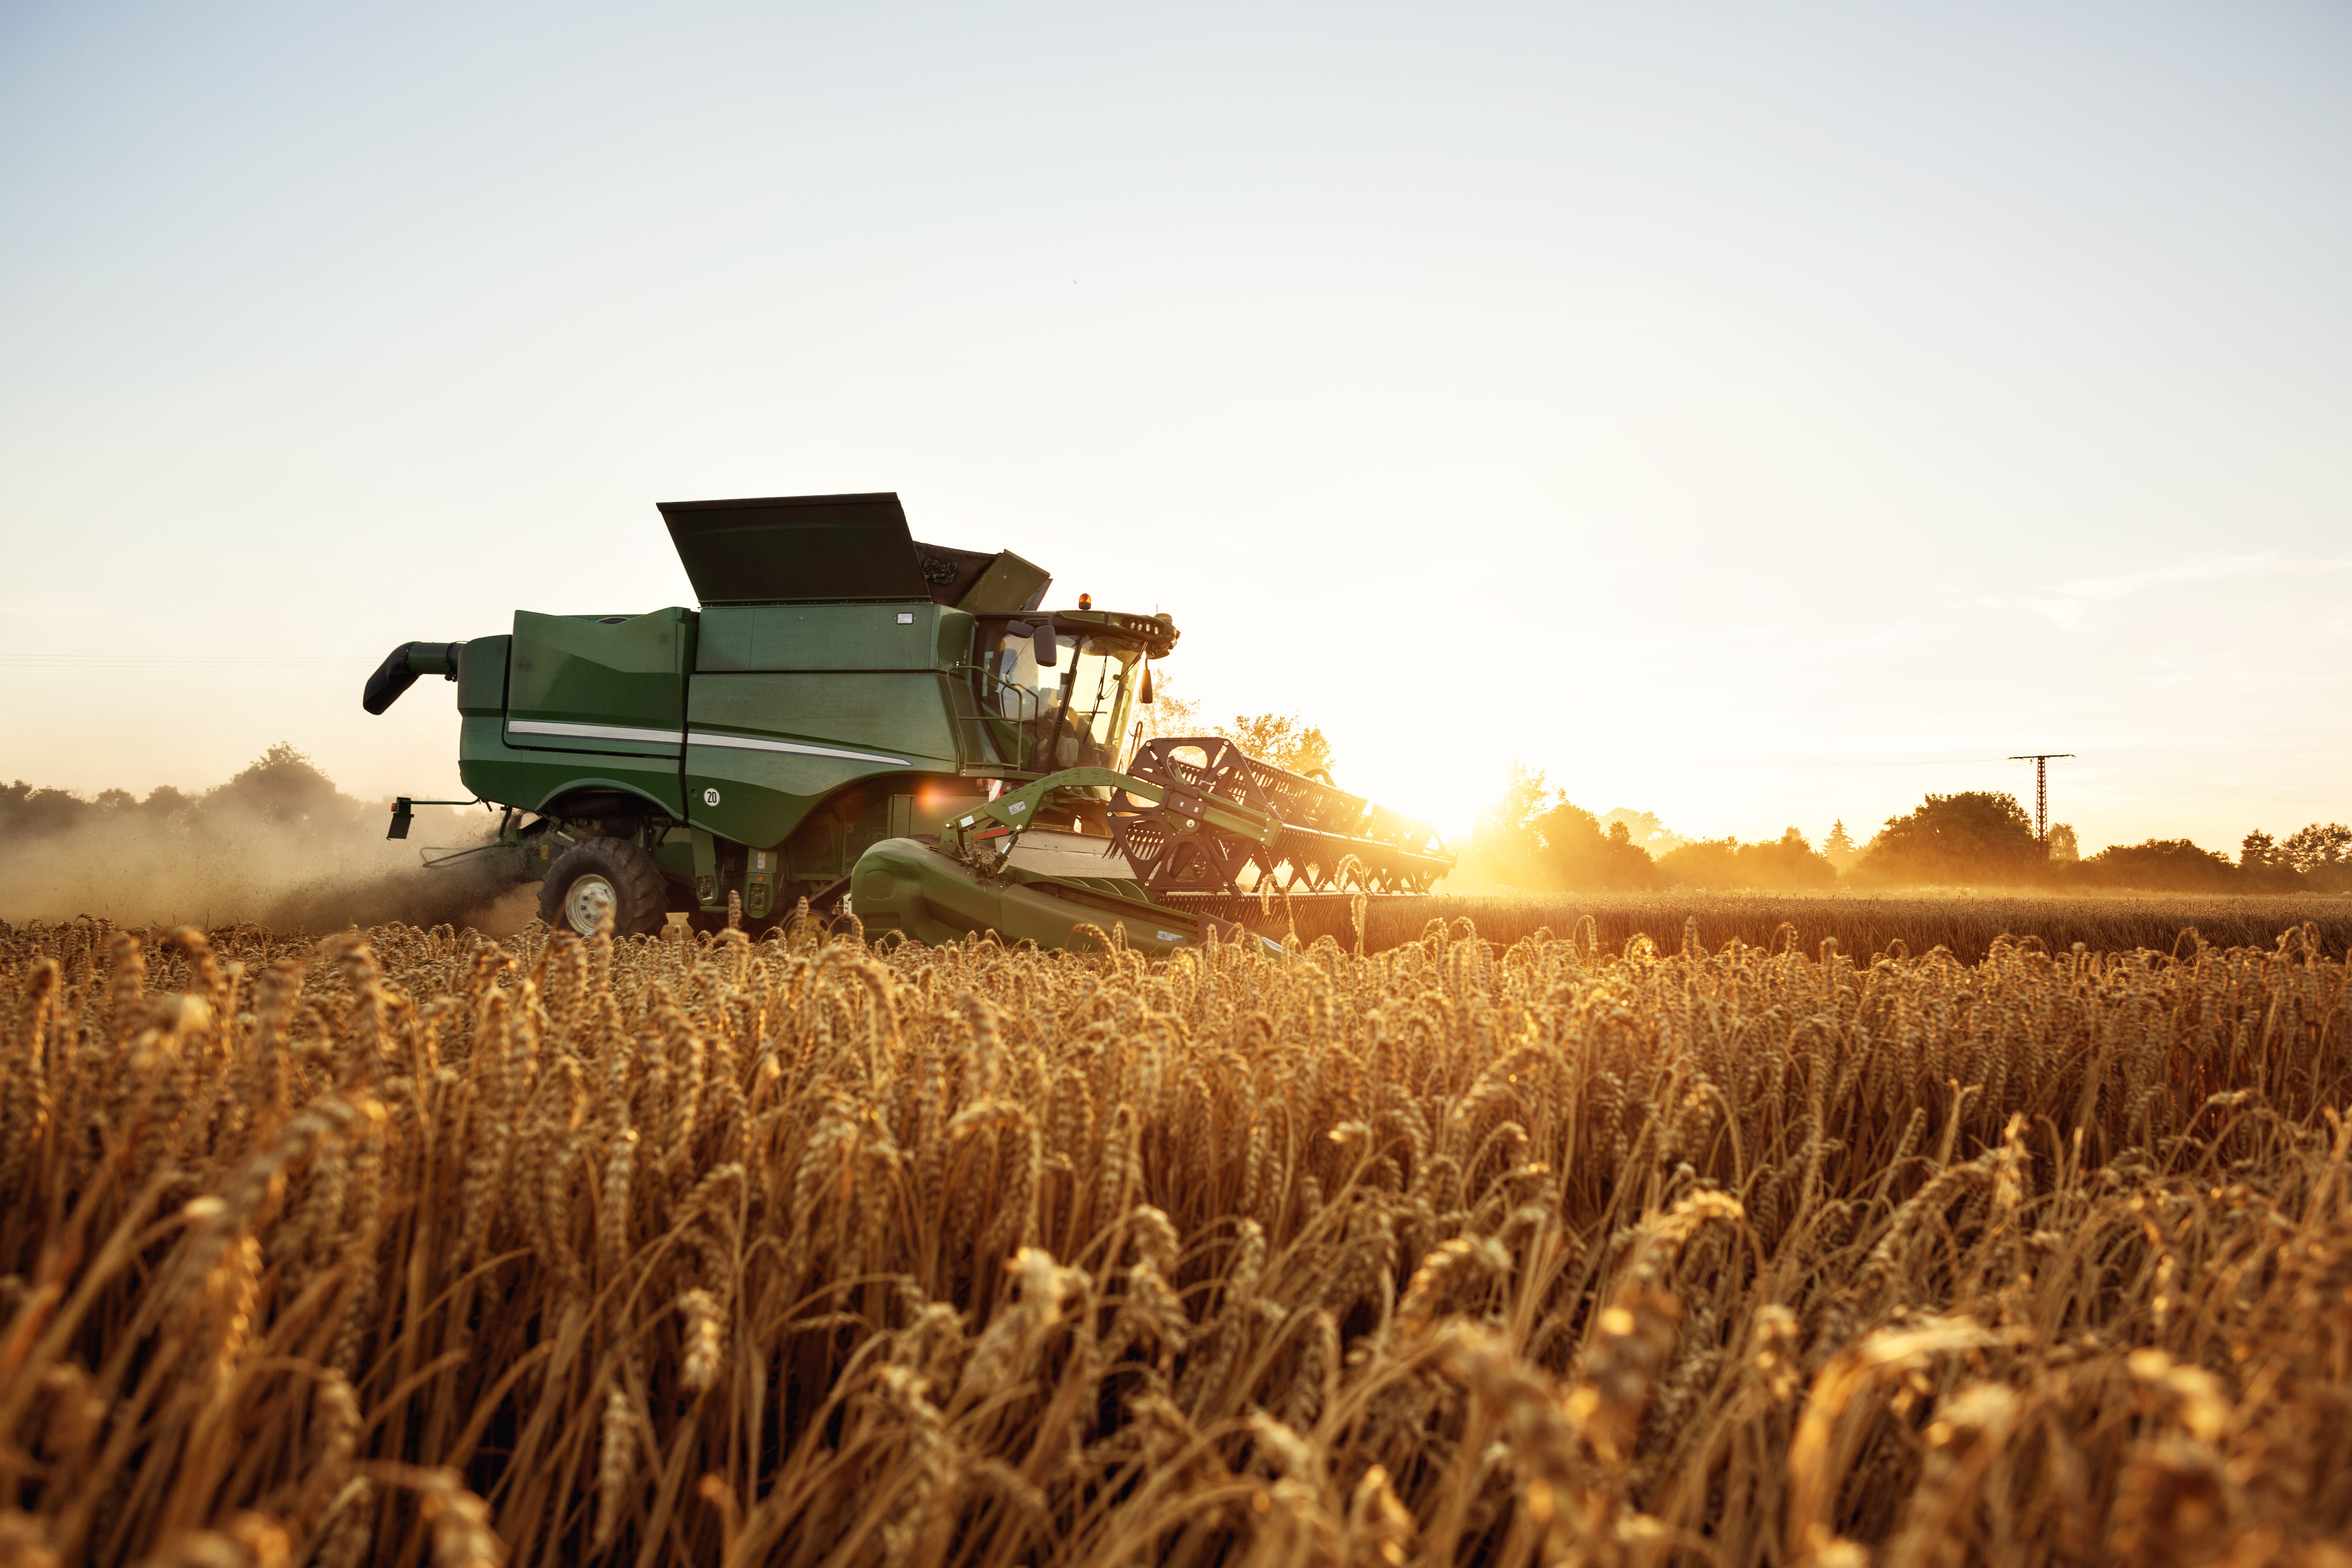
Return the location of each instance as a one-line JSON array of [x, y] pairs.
[[590, 897]]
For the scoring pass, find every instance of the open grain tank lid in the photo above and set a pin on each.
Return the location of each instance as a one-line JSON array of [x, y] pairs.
[[825, 550]]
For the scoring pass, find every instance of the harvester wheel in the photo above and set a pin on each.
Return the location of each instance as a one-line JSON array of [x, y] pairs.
[[604, 874]]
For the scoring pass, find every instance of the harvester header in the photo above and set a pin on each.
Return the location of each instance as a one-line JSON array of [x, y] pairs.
[[884, 727]]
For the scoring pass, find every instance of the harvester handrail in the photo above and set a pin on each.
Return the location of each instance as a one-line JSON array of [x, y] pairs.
[[1029, 703]]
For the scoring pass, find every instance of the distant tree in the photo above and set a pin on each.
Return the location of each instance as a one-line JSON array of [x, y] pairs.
[[281, 789], [1285, 742], [1975, 837], [2063, 849], [2319, 850], [1788, 864], [2160, 866], [27, 812], [284, 787], [1573, 851], [2318, 855], [1502, 848], [1534, 838], [2263, 867], [1525, 795], [1838, 847], [1644, 829], [1167, 714], [1702, 863]]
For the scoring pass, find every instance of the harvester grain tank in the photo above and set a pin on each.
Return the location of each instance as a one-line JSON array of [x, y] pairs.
[[882, 726]]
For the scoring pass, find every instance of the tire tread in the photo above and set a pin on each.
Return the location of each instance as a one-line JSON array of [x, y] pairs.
[[644, 892]]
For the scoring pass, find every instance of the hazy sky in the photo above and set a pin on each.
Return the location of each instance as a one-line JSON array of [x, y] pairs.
[[1757, 414]]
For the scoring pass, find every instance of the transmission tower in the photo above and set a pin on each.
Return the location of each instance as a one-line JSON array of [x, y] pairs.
[[2040, 761]]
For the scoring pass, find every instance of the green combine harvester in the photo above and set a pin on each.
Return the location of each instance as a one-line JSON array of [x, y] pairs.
[[885, 728]]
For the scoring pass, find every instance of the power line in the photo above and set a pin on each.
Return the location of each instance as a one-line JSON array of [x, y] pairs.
[[1843, 762], [2040, 761]]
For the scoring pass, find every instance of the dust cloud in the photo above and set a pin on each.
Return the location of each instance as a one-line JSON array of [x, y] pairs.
[[277, 846]]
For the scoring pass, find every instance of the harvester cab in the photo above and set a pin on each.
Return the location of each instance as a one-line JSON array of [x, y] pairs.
[[883, 727]]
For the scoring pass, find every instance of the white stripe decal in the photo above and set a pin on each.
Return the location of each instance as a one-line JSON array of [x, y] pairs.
[[748, 743], [594, 731]]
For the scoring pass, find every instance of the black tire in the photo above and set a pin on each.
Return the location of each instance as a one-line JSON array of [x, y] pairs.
[[630, 884]]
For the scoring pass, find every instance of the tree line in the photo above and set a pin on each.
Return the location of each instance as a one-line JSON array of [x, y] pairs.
[[1536, 838]]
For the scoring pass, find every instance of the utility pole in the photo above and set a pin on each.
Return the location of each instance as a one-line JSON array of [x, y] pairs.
[[2040, 761]]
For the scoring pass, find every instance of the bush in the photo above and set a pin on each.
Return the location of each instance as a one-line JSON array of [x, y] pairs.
[[2158, 866], [1536, 838], [1575, 852], [1788, 864], [1975, 837]]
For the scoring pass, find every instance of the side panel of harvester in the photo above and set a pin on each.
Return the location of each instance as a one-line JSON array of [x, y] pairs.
[[798, 733], [591, 703], [790, 704]]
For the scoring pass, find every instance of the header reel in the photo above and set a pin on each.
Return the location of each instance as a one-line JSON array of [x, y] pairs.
[[1325, 841]]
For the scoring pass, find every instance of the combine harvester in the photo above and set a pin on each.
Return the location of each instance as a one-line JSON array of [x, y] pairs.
[[882, 727]]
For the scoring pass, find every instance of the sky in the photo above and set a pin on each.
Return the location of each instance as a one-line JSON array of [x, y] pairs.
[[1758, 415]]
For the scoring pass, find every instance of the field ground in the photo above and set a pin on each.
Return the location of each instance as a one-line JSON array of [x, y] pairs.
[[1863, 924], [410, 1244]]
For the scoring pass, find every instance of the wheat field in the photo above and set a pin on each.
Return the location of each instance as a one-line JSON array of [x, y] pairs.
[[408, 1245], [1965, 922]]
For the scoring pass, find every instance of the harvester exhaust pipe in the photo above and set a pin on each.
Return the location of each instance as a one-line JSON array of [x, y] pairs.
[[401, 668]]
